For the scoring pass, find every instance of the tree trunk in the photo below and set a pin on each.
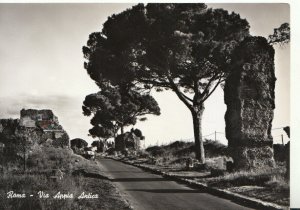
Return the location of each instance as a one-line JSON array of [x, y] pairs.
[[122, 133], [197, 123]]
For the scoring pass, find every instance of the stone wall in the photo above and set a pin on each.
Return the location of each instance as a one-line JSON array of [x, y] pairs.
[[37, 126], [44, 119], [27, 122], [250, 99], [38, 115]]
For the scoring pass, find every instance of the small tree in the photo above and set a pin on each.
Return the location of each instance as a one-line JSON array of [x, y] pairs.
[[24, 143], [114, 108], [99, 145], [78, 143]]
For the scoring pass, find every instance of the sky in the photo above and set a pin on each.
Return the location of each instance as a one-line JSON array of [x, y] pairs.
[[41, 66]]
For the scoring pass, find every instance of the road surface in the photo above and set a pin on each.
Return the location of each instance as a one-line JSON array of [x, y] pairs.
[[147, 191]]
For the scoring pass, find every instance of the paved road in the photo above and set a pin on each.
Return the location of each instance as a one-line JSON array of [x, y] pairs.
[[146, 191]]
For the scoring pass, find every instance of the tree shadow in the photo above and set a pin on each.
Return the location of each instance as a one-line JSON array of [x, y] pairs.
[[167, 190], [108, 171], [196, 177], [138, 179]]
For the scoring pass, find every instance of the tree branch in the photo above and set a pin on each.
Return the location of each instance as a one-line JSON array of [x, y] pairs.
[[214, 88], [186, 97], [179, 94], [206, 89], [156, 83]]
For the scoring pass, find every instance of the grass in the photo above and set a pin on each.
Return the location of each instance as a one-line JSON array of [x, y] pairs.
[[32, 184], [109, 197], [56, 158], [272, 177], [276, 189], [268, 184], [37, 177]]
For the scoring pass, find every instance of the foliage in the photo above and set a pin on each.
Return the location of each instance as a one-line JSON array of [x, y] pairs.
[[181, 149], [138, 133], [17, 147], [40, 165], [155, 151], [182, 47], [281, 35], [96, 144], [162, 44], [109, 198], [266, 184], [113, 108], [79, 143], [100, 145], [63, 141]]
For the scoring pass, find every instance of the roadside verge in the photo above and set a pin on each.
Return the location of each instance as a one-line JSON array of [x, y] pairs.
[[237, 198]]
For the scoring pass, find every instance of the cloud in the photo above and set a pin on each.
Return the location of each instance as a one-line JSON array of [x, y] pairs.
[[10, 106]]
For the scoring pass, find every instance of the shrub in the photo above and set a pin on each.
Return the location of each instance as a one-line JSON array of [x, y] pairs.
[[143, 154], [32, 184], [156, 151]]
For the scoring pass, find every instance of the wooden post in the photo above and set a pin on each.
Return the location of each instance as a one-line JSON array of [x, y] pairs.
[[282, 139]]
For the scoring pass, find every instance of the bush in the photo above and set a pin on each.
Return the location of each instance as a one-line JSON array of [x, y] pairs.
[[156, 151], [180, 149], [110, 151], [214, 148], [50, 158], [143, 154]]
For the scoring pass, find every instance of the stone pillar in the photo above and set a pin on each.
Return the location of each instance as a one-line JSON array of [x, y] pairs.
[[250, 99]]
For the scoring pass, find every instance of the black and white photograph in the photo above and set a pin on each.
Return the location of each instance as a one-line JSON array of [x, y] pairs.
[[147, 106]]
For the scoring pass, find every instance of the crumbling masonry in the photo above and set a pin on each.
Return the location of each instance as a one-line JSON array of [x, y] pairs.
[[37, 126], [249, 96]]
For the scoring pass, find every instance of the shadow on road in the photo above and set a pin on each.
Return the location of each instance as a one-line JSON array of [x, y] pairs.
[[112, 171], [166, 190], [138, 180]]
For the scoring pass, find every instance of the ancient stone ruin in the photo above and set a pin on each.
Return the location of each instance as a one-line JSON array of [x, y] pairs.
[[249, 96], [129, 140], [36, 126]]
